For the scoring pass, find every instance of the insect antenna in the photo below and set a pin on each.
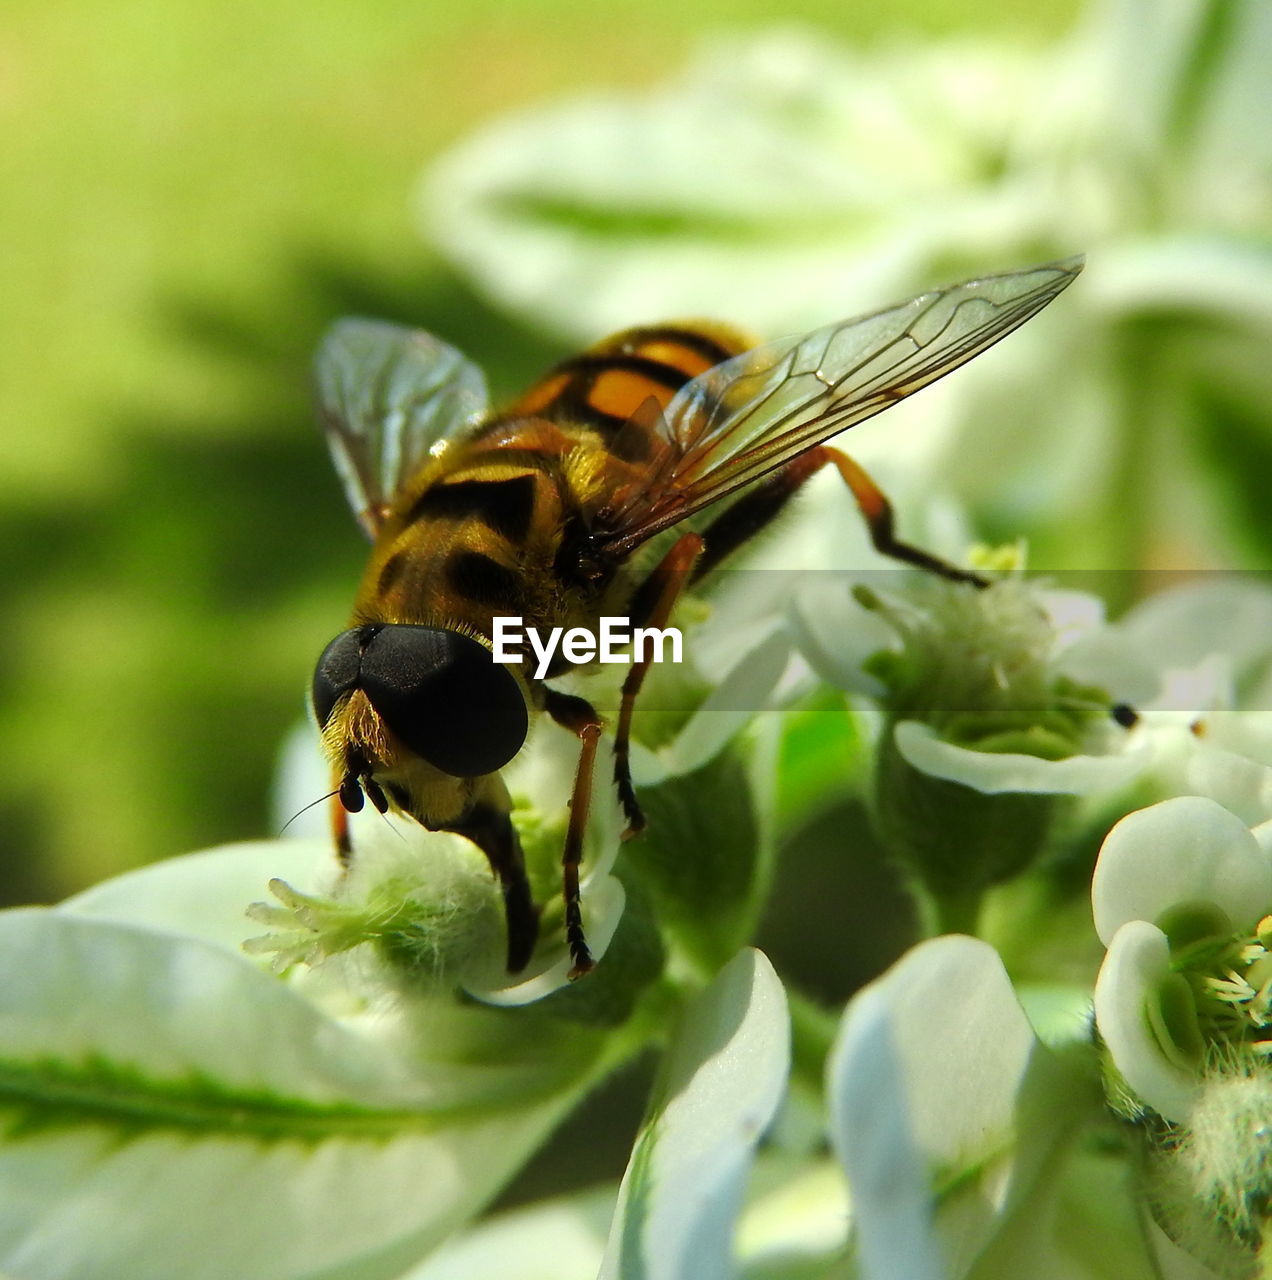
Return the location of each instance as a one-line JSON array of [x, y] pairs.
[[307, 808]]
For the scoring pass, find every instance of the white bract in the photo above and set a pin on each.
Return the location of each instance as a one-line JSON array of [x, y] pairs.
[[720, 1088]]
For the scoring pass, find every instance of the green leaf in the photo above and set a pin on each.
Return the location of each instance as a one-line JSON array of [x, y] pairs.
[[720, 1088], [170, 1109], [822, 757], [205, 895]]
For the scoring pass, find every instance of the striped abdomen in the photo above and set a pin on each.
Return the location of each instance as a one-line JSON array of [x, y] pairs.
[[485, 528], [460, 545], [608, 388]]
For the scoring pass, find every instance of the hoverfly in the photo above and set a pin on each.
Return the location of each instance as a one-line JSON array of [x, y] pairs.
[[533, 512]]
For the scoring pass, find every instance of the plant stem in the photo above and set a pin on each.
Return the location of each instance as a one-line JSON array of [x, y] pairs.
[[813, 1030], [955, 912]]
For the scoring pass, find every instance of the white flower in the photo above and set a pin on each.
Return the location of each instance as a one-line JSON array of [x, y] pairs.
[[1179, 894], [1191, 667], [982, 735], [960, 1132]]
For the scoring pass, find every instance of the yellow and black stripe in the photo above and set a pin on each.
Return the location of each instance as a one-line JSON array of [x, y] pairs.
[[607, 388]]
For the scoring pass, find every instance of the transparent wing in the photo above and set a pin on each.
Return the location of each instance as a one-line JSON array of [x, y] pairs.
[[749, 415], [386, 395]]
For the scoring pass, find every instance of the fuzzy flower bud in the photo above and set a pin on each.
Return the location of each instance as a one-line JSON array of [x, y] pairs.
[[982, 734]]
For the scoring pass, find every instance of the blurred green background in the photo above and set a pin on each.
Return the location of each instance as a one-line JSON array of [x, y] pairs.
[[188, 195]]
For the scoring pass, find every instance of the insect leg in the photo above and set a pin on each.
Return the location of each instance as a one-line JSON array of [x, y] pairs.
[[340, 826], [651, 607], [579, 716], [876, 511], [750, 513]]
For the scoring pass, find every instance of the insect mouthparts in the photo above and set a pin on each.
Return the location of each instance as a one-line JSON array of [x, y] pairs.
[[350, 793]]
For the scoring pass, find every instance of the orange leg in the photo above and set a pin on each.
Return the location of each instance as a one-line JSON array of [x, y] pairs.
[[651, 608], [340, 827], [753, 511], [876, 510], [579, 716]]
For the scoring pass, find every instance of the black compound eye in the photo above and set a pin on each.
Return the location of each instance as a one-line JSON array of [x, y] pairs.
[[446, 697], [336, 673]]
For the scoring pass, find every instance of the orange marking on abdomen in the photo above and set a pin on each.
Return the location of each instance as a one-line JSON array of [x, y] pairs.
[[541, 395], [675, 354], [620, 392]]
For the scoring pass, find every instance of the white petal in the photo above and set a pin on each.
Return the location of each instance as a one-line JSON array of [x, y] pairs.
[[302, 775], [1137, 959], [1187, 849], [720, 1088], [729, 707], [1072, 614], [996, 772], [1185, 626], [1246, 732], [962, 1041], [836, 634], [1220, 277], [923, 1085], [872, 1135], [1241, 784], [602, 901], [1107, 660]]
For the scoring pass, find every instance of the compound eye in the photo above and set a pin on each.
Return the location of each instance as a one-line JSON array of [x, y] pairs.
[[336, 674], [446, 697]]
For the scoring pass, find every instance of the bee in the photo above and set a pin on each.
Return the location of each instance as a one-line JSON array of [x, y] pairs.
[[535, 511]]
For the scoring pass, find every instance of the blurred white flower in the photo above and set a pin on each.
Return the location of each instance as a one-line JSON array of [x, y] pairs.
[[781, 183], [1196, 661]]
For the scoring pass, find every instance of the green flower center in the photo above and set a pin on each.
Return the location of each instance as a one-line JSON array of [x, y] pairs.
[[1229, 975], [976, 665]]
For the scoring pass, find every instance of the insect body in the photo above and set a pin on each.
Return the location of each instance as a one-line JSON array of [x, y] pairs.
[[536, 511]]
